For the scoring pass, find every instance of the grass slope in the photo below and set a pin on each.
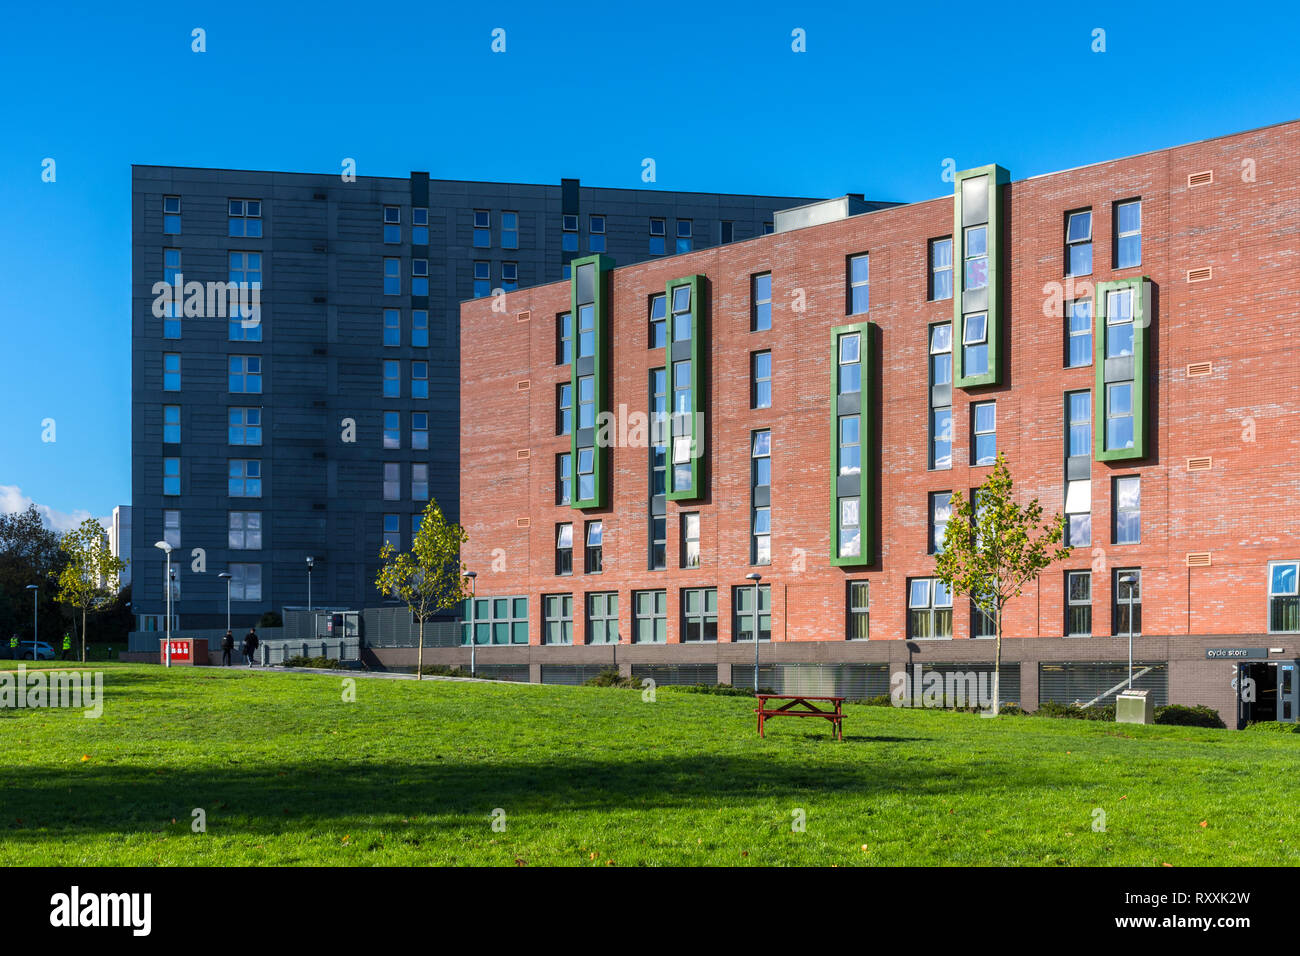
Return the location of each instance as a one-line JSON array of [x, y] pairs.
[[289, 773]]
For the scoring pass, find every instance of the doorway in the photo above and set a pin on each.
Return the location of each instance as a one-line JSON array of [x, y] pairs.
[[1275, 688]]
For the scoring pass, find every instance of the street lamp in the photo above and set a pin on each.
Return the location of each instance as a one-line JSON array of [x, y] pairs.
[[755, 577], [167, 624], [1127, 593], [310, 562], [226, 575], [36, 617], [473, 590]]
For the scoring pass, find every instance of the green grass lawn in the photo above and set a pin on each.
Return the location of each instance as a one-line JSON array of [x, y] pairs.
[[290, 773]]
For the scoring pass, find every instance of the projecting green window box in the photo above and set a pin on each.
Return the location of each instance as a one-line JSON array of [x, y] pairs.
[[853, 484], [977, 302], [687, 355], [1123, 316]]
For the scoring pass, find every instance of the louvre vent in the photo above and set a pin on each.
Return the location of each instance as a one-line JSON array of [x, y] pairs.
[[1203, 274], [1198, 559], [1200, 464], [523, 386], [523, 453], [1197, 369], [1201, 179], [319, 196], [523, 522], [523, 316]]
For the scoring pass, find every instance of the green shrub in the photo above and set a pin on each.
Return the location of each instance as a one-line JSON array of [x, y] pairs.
[[1272, 727], [880, 700], [720, 690], [1179, 715], [270, 619], [442, 670], [610, 677], [1050, 708], [324, 663]]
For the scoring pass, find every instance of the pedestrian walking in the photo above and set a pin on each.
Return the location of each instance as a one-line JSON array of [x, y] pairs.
[[227, 645], [67, 645], [250, 646], [13, 647]]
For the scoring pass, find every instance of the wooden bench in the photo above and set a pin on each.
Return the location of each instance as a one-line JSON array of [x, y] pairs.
[[801, 705]]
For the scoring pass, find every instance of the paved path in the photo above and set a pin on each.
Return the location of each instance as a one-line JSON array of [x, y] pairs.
[[345, 672]]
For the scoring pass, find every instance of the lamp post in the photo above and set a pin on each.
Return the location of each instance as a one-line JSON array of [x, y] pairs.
[[167, 624], [226, 575], [473, 590], [755, 577], [310, 562], [36, 617], [1129, 579]]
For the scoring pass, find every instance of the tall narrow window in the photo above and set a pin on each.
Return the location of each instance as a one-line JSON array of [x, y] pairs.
[[940, 514], [482, 279], [685, 235], [245, 276], [690, 539], [171, 476], [1078, 609], [1119, 415], [419, 277], [602, 617], [982, 623], [760, 319], [1284, 597], [940, 269], [564, 549], [420, 226], [558, 624], [1128, 234], [859, 611], [859, 284], [761, 494], [658, 509], [392, 378], [728, 231], [392, 481], [420, 430], [984, 433], [1128, 602], [392, 327], [1079, 332], [509, 276], [1119, 323], [658, 315], [1078, 243], [850, 444], [393, 532], [419, 379], [657, 237], [975, 344], [569, 234], [595, 557], [929, 605], [941, 396], [564, 478], [172, 309], [1078, 512], [482, 229], [392, 436], [172, 424], [850, 364], [596, 234], [586, 401], [510, 230], [682, 313], [1079, 416], [760, 394], [977, 258], [564, 338], [850, 526], [392, 276], [420, 328], [419, 482], [586, 331], [1128, 510], [564, 409], [392, 225], [650, 624], [171, 215], [586, 474]]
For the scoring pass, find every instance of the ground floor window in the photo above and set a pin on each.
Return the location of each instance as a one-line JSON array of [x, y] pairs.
[[982, 623], [602, 617], [742, 603], [929, 605], [650, 625], [500, 620], [699, 614], [1284, 596], [1078, 608], [859, 614], [1128, 602], [558, 614]]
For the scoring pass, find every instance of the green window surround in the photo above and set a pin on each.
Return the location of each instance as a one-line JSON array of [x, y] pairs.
[[977, 299], [589, 290], [1120, 414], [853, 484], [688, 353]]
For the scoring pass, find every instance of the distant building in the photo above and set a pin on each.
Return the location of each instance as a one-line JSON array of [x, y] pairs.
[[119, 542]]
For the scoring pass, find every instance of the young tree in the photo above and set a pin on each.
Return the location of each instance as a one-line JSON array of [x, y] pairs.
[[430, 577], [993, 547], [89, 579]]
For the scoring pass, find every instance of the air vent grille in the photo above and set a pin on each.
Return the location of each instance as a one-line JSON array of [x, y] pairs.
[[1198, 369], [523, 453], [1201, 179], [523, 522], [523, 316], [1198, 559], [1200, 464], [523, 386], [1203, 274]]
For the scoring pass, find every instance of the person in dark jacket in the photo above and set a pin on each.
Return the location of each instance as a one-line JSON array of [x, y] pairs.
[[250, 646], [227, 645]]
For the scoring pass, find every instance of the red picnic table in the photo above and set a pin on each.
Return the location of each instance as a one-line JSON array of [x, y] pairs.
[[801, 705]]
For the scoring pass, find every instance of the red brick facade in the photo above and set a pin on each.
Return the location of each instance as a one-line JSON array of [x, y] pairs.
[[1244, 226]]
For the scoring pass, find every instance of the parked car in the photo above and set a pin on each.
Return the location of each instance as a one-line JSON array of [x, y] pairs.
[[41, 652]]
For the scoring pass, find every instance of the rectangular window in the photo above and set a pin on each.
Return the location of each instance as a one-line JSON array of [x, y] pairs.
[[850, 526], [482, 229], [245, 219], [728, 231], [982, 623], [1128, 510], [941, 396], [171, 372], [760, 392], [743, 617], [940, 269], [482, 279], [392, 378], [564, 478], [657, 237], [690, 539], [1078, 243], [244, 426], [1079, 418], [657, 511], [509, 276], [596, 237], [859, 610], [685, 235], [1128, 234], [941, 354], [564, 338], [929, 604], [392, 481], [569, 234], [244, 478], [940, 514], [586, 402], [392, 277], [420, 430], [419, 379], [171, 476], [392, 224], [245, 374], [595, 557], [1078, 607], [682, 316], [984, 433], [1078, 319], [564, 409], [602, 617], [510, 230], [420, 328], [1284, 597], [850, 362], [850, 444], [244, 531], [1119, 323], [419, 277], [557, 625], [171, 424], [699, 615], [245, 582], [564, 549], [650, 617], [859, 284], [586, 330], [172, 528], [975, 344], [420, 226], [658, 321], [393, 532], [392, 327], [419, 482], [761, 496], [586, 474], [1128, 602], [392, 429], [172, 309], [977, 258], [171, 215], [499, 620], [1119, 415], [760, 297], [1078, 513]]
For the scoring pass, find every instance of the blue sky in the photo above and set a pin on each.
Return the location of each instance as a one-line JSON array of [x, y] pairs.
[[713, 92]]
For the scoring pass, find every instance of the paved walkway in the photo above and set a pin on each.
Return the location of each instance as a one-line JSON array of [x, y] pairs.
[[346, 672]]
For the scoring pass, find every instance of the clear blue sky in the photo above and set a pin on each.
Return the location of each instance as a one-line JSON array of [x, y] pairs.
[[713, 92]]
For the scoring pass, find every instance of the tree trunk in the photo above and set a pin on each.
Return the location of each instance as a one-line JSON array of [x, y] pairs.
[[419, 655], [997, 664], [83, 635]]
